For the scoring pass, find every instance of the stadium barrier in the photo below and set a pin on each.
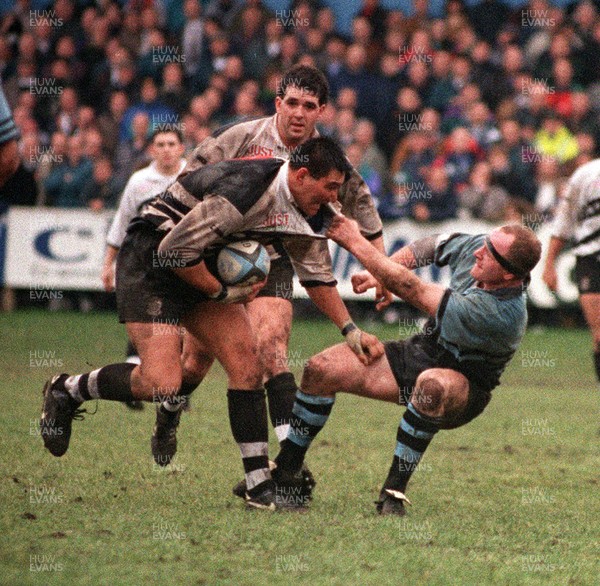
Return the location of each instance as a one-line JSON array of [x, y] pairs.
[[60, 249]]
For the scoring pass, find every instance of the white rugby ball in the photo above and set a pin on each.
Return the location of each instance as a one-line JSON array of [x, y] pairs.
[[243, 263]]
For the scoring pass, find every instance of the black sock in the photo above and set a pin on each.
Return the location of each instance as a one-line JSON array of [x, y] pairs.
[[414, 435], [310, 414], [112, 382], [250, 428], [173, 404], [281, 392], [597, 364]]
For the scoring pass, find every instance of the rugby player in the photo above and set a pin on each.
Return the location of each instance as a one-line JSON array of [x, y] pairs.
[[302, 96], [166, 149], [163, 279], [444, 375], [578, 221]]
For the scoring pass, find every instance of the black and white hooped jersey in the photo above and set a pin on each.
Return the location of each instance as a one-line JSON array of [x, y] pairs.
[[236, 200], [578, 213]]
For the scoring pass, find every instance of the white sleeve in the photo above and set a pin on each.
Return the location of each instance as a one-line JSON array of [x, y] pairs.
[[565, 220], [126, 211]]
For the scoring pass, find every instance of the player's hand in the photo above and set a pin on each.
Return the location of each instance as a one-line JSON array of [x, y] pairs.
[[366, 346], [343, 231], [108, 277], [383, 297], [245, 294], [550, 277], [363, 281]]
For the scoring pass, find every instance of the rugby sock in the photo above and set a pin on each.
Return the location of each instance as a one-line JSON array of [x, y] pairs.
[[414, 434], [597, 364], [112, 382], [250, 428], [281, 392], [176, 402], [310, 413]]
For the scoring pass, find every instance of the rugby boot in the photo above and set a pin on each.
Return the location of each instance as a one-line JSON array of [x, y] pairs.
[[58, 411], [164, 436]]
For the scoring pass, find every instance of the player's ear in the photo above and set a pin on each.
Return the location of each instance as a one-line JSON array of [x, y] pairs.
[[302, 174], [278, 102]]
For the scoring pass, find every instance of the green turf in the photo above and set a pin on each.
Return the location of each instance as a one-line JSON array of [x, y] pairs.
[[512, 498]]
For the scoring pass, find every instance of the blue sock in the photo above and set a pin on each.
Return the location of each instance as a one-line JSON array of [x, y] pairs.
[[309, 415]]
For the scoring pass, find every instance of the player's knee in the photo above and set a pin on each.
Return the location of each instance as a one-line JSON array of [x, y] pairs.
[[443, 397], [314, 374], [196, 366], [273, 349], [161, 382]]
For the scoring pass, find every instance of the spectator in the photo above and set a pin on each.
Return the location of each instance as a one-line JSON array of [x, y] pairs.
[[373, 13], [555, 140], [192, 38], [131, 152], [521, 159], [582, 117], [480, 125], [435, 200], [101, 191], [356, 156], [372, 156], [345, 125], [413, 157], [549, 184], [109, 123], [65, 119], [92, 146], [481, 199], [65, 183], [149, 104], [173, 93], [460, 153], [406, 117], [249, 42]]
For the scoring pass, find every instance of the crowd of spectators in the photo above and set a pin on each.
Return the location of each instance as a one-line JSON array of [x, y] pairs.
[[482, 113]]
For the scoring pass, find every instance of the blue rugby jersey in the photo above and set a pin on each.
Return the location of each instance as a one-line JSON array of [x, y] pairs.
[[476, 331]]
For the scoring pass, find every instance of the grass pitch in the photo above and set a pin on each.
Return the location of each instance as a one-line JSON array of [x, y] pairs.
[[512, 498]]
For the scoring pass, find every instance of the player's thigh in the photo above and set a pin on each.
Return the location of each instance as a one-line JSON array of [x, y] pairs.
[[271, 319], [338, 370], [226, 332], [159, 350], [590, 304], [196, 358]]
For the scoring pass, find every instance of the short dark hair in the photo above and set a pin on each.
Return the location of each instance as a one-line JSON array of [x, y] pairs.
[[308, 78], [166, 128], [320, 155]]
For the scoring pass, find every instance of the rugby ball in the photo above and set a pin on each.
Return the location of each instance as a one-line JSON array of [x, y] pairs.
[[243, 263]]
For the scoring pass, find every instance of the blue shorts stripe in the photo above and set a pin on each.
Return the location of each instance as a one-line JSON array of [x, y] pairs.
[[310, 418]]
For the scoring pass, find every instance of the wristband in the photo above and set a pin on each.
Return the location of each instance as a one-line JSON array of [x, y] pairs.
[[350, 326], [220, 295]]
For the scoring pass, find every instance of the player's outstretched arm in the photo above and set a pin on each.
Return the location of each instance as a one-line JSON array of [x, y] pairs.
[[398, 279], [549, 276]]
